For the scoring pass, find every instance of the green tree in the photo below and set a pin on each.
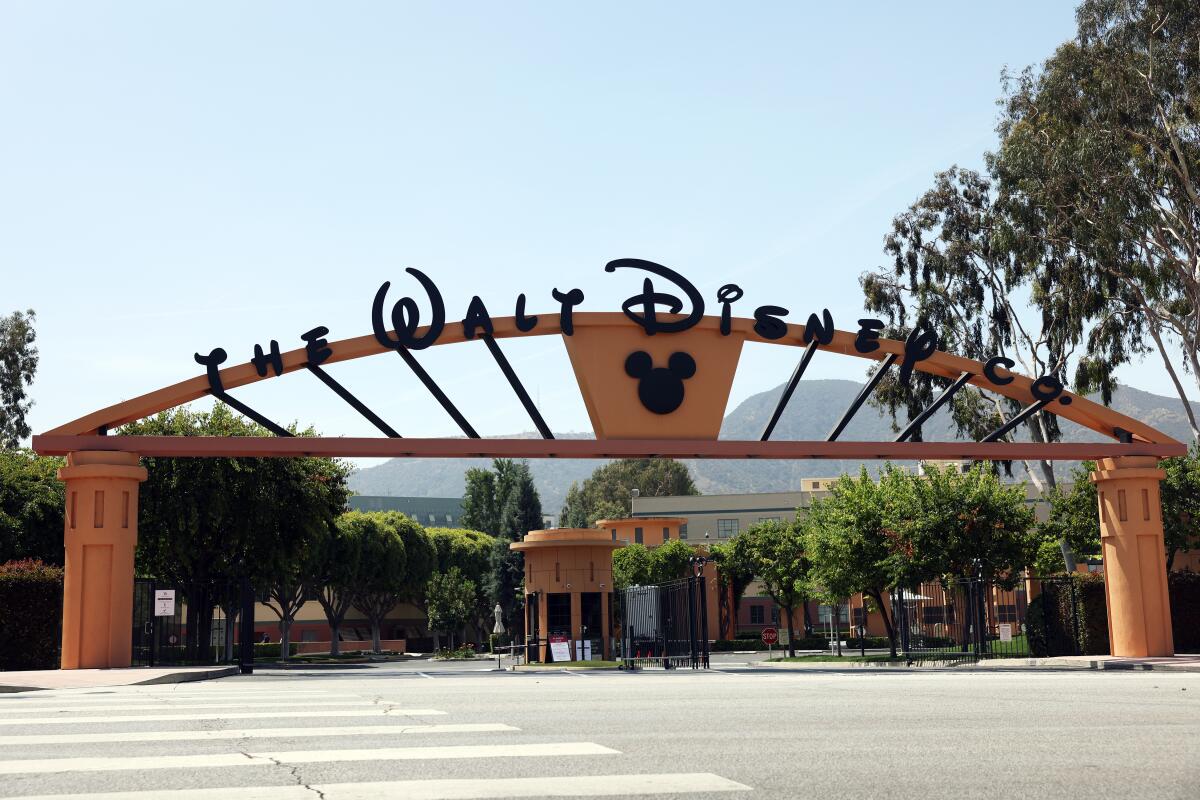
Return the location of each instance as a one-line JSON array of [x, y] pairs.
[[1074, 512], [205, 523], [18, 364], [398, 560], [31, 508], [607, 493], [450, 601], [853, 538], [471, 553], [965, 524], [479, 502], [776, 551], [522, 513], [638, 565], [632, 565], [1100, 154], [335, 570], [735, 570]]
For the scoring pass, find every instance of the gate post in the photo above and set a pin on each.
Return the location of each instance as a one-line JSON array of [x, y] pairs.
[[1135, 566], [100, 535]]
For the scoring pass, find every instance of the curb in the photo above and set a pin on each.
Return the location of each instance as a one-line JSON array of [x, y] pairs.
[[170, 677]]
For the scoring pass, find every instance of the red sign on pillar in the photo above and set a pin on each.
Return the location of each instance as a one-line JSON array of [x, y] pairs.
[[770, 636]]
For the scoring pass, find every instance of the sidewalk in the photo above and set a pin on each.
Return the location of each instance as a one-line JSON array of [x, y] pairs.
[[34, 680], [1180, 663]]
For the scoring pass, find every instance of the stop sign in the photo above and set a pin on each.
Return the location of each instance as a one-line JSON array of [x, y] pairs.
[[770, 636]]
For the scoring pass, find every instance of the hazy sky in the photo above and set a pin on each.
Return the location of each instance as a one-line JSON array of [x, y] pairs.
[[178, 177]]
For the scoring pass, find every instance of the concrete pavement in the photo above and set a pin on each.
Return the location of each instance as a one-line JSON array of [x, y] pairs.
[[44, 679], [462, 730]]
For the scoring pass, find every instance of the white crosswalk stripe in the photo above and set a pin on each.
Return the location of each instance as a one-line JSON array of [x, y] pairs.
[[240, 759], [448, 789], [253, 733], [373, 712], [389, 738], [187, 706]]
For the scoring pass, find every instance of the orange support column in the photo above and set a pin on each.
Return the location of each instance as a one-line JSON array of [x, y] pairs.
[[100, 536], [1135, 564]]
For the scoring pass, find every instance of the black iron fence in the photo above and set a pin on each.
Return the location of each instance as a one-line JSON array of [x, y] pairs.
[[664, 625], [969, 620], [186, 635]]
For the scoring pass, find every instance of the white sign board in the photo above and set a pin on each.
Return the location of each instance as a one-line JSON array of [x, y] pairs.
[[164, 602], [560, 649], [1006, 633], [583, 647]]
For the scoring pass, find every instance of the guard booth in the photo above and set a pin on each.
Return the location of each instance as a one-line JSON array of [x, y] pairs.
[[568, 594]]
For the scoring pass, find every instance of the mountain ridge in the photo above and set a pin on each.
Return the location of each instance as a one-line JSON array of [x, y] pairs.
[[813, 410]]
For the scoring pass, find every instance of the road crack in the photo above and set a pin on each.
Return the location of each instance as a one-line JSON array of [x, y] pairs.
[[294, 771]]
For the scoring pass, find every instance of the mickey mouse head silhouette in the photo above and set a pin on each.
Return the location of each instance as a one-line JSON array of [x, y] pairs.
[[660, 388]]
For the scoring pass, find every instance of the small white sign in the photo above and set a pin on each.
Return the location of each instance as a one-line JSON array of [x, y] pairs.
[[1006, 633], [164, 602], [560, 648]]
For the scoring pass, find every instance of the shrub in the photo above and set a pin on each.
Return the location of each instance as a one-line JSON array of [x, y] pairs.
[[1050, 620], [465, 651], [31, 596], [271, 649]]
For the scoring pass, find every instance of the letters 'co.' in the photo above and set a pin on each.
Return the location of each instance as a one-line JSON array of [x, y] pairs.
[[673, 305]]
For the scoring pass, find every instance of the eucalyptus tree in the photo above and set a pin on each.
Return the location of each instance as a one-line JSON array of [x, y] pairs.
[[18, 364], [962, 269], [1100, 161]]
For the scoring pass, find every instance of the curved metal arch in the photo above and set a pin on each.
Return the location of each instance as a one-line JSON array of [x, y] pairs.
[[1080, 410]]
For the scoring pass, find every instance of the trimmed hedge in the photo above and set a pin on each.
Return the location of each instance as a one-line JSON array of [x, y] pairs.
[[1050, 628], [1048, 621], [802, 643], [1184, 590], [271, 649], [31, 596]]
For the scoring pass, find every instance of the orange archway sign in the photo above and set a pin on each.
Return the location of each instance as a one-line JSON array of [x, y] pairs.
[[655, 382]]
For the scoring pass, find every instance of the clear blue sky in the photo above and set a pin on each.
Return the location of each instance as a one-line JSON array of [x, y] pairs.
[[177, 177]]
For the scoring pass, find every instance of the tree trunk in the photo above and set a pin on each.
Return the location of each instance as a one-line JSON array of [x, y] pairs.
[[232, 613], [335, 642], [877, 596], [437, 640], [791, 632], [285, 636], [376, 647], [808, 626], [837, 627]]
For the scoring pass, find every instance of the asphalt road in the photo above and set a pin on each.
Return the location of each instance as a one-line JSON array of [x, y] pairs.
[[421, 730]]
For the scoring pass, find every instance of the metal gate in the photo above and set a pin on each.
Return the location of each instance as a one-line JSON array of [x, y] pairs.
[[665, 625], [970, 620], [164, 639]]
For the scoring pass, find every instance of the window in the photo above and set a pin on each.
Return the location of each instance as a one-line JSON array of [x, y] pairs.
[[770, 519], [308, 636], [449, 519], [614, 532], [774, 615], [816, 484], [1006, 613], [756, 615], [432, 518], [726, 528], [683, 531], [858, 617], [666, 534], [825, 613], [637, 535]]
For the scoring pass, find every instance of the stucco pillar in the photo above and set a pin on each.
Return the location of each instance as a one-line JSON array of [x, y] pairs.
[[100, 534], [1135, 565]]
